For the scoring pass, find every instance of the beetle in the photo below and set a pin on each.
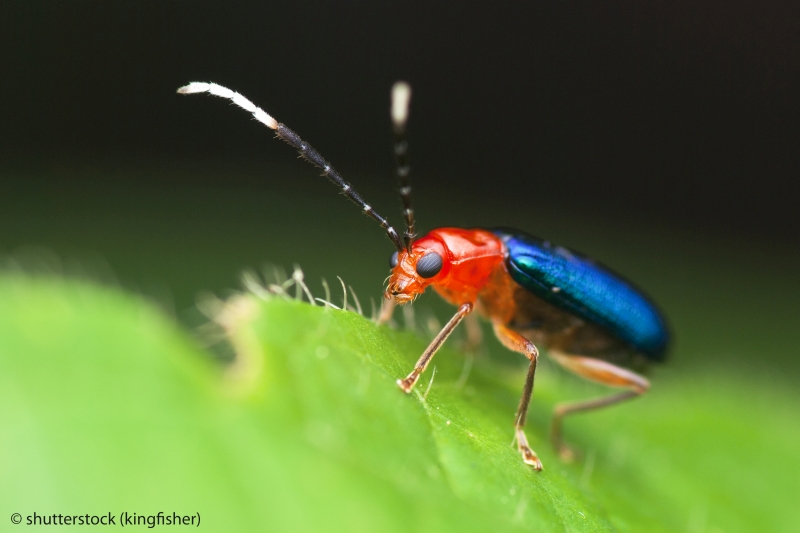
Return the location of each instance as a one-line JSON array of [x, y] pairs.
[[592, 321]]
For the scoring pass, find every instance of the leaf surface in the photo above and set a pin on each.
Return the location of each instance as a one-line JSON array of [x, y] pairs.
[[108, 406]]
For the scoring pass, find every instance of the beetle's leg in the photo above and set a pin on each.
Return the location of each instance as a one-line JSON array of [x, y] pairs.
[[387, 309], [516, 342], [474, 333], [471, 346], [408, 383], [598, 371]]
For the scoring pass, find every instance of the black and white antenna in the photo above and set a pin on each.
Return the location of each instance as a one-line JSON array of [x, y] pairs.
[[401, 95], [306, 151]]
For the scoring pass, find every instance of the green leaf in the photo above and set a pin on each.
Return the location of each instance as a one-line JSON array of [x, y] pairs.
[[108, 406]]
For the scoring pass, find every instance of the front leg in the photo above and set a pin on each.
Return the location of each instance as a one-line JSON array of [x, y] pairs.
[[408, 383], [387, 309]]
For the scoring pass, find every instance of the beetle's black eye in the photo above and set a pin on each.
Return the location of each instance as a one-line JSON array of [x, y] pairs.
[[393, 260], [429, 265]]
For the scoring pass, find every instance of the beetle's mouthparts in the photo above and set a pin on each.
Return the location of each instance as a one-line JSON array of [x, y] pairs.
[[395, 292]]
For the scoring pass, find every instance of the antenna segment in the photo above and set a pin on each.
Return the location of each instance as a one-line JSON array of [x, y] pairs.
[[306, 151], [401, 95]]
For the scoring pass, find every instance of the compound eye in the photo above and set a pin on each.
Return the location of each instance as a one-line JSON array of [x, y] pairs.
[[429, 265], [393, 260]]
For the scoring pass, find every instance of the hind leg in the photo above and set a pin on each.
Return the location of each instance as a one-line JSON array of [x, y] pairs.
[[598, 371]]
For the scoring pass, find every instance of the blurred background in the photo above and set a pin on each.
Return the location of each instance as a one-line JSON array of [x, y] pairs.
[[660, 139]]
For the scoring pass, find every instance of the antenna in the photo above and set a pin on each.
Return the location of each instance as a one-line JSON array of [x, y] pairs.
[[306, 151], [401, 95]]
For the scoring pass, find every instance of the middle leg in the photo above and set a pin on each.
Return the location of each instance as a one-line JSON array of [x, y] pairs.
[[516, 342]]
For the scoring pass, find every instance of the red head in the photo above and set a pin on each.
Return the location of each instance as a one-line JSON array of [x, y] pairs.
[[457, 262]]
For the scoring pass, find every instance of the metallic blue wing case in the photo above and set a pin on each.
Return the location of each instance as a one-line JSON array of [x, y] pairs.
[[576, 284]]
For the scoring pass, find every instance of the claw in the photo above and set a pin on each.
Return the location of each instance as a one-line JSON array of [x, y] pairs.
[[529, 457], [408, 383]]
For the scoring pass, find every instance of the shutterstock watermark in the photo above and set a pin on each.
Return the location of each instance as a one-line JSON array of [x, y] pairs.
[[122, 519]]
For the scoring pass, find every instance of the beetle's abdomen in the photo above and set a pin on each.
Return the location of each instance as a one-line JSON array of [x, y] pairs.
[[586, 290]]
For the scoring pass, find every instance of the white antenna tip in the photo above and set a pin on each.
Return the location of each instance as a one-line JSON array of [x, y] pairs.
[[194, 87], [401, 95], [223, 92]]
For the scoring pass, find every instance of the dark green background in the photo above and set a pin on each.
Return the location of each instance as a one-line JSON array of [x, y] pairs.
[[679, 112], [661, 141]]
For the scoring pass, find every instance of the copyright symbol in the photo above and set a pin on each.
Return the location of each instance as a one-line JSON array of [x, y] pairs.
[[16, 518]]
